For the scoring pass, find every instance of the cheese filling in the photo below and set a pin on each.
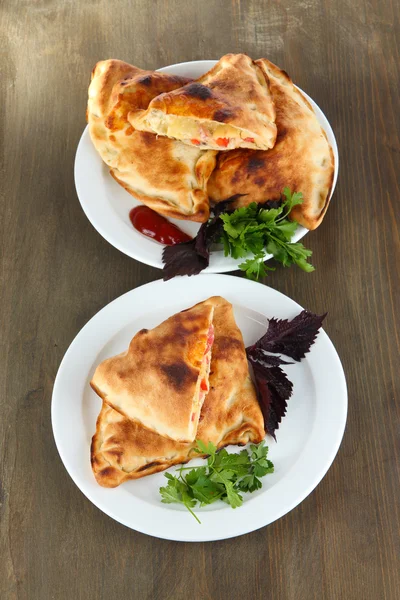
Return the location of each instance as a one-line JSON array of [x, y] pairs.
[[202, 386], [219, 136]]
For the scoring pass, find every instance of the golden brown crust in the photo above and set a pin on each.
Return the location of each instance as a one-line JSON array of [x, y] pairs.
[[158, 204], [235, 92], [122, 449], [117, 88], [301, 159], [168, 176], [155, 380]]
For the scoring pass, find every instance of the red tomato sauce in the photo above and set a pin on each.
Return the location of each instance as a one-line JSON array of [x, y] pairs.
[[154, 226]]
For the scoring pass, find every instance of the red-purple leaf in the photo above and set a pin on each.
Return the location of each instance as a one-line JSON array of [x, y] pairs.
[[182, 259], [273, 387], [190, 258], [293, 338]]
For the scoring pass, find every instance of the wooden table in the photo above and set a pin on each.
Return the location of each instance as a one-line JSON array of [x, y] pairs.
[[342, 542]]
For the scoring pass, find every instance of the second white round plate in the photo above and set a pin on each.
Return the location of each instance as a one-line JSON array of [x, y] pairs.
[[307, 439], [107, 205]]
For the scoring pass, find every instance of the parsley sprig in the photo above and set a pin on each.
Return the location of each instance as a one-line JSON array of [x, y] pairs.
[[223, 478], [261, 231]]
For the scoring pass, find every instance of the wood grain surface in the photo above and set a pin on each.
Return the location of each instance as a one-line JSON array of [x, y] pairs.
[[342, 542]]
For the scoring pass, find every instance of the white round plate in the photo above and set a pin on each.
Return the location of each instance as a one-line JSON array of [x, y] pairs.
[[107, 205], [307, 440]]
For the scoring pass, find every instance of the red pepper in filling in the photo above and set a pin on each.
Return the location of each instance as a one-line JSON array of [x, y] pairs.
[[203, 385], [249, 139], [223, 142], [195, 142], [210, 339]]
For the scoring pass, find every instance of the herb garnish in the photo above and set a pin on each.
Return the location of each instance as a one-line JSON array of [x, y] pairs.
[[254, 229], [223, 478], [190, 258], [226, 475], [292, 338], [263, 231]]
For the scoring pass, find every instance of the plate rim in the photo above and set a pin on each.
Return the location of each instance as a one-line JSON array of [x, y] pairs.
[[114, 239], [317, 478]]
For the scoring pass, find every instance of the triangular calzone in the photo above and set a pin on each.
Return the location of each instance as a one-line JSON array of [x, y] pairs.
[[162, 379], [228, 107], [302, 158], [122, 449], [168, 176]]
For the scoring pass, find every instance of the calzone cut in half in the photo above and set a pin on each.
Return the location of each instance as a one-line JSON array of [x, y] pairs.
[[302, 158], [228, 107], [162, 173], [122, 449], [161, 381]]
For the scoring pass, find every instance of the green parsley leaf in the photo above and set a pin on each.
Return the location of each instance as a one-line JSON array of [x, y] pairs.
[[292, 199], [230, 228], [232, 496], [269, 215], [238, 248], [237, 463], [177, 491], [252, 231], [205, 490], [222, 478], [203, 449], [255, 267], [254, 241], [225, 241], [250, 483], [286, 229]]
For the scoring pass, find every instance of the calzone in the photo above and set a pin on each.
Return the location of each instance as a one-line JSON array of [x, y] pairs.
[[162, 173], [230, 106], [122, 449], [162, 379], [302, 158]]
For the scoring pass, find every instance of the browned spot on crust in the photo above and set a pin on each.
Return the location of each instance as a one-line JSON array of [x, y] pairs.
[[155, 463], [146, 80], [197, 90], [254, 164], [129, 130], [223, 115], [237, 177], [179, 80], [225, 85], [112, 138], [260, 181], [179, 375], [225, 347], [282, 132], [110, 122], [107, 472]]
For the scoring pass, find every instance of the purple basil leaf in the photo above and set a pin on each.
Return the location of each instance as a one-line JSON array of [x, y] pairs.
[[271, 204], [293, 338], [190, 258], [259, 356], [273, 391], [208, 234], [202, 243], [225, 205], [182, 259]]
